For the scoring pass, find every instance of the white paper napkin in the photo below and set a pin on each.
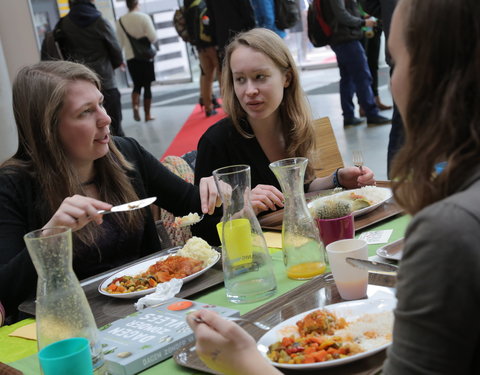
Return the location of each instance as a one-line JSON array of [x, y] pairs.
[[376, 236], [163, 291]]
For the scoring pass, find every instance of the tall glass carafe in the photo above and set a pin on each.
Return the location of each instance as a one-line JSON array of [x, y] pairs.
[[303, 251], [62, 310], [247, 265]]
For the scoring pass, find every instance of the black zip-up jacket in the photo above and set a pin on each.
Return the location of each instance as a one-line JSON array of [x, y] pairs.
[[344, 18], [91, 40]]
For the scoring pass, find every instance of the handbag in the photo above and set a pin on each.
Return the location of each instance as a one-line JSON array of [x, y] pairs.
[[142, 48]]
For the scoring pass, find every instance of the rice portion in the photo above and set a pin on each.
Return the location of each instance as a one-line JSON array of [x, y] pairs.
[[370, 330], [197, 248]]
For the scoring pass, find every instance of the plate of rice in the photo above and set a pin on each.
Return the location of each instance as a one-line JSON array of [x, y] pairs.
[[186, 263], [363, 200], [331, 336]]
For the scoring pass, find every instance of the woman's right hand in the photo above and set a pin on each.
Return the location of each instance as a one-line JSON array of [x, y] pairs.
[[225, 347], [77, 211], [266, 197]]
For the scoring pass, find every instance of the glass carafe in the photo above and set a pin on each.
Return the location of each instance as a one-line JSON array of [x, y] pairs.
[[247, 265], [303, 251], [62, 310]]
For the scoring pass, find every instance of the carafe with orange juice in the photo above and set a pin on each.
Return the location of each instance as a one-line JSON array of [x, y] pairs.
[[303, 251], [247, 265]]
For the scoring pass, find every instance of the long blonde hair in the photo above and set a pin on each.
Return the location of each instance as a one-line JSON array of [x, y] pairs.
[[294, 112], [39, 91]]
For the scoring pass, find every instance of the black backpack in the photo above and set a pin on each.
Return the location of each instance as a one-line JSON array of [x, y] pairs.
[[287, 14], [53, 45], [197, 22], [181, 25], [319, 32]]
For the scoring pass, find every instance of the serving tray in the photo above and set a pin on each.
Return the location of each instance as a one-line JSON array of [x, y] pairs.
[[316, 293]]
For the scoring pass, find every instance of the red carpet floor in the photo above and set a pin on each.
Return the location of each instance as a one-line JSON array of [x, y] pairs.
[[187, 138]]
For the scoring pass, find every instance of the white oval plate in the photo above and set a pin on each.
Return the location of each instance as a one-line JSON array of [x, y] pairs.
[[350, 310], [142, 267], [387, 194]]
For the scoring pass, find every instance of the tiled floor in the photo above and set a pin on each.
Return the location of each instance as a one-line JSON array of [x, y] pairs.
[[174, 103]]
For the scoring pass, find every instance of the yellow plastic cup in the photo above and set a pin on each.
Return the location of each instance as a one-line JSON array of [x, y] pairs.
[[238, 241]]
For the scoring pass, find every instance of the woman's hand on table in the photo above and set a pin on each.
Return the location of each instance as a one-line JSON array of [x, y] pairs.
[[355, 177], [266, 197], [77, 211], [225, 347], [209, 195]]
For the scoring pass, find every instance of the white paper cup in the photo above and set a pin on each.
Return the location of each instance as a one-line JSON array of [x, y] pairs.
[[351, 282]]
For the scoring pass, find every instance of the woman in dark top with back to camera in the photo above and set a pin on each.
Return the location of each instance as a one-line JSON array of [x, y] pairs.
[[435, 45], [66, 168], [269, 119]]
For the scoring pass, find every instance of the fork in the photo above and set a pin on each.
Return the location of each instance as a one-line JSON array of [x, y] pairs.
[[357, 159], [263, 326]]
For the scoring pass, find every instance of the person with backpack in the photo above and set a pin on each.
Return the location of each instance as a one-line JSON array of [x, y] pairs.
[[345, 22], [265, 16], [90, 39], [142, 71], [228, 18], [200, 35]]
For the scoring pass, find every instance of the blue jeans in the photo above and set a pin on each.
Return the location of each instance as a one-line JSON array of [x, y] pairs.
[[355, 77]]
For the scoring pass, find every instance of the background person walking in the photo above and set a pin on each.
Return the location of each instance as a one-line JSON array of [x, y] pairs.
[[138, 25], [90, 39]]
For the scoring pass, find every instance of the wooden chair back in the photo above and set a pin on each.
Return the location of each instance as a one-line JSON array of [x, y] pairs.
[[326, 157]]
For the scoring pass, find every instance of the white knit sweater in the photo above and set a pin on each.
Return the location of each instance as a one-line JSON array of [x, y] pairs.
[[138, 25]]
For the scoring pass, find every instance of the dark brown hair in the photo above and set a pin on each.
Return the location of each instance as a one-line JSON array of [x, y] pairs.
[[295, 113], [131, 4], [38, 96], [442, 121]]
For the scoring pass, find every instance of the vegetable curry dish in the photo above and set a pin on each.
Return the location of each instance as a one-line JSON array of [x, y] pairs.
[[162, 271]]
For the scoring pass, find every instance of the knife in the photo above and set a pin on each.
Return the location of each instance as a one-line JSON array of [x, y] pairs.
[[129, 206], [370, 265]]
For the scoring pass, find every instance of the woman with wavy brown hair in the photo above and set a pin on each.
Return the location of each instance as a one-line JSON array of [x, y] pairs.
[[435, 45], [269, 119], [67, 166]]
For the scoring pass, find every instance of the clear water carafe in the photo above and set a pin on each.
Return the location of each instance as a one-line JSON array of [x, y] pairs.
[[62, 310], [247, 265], [303, 251]]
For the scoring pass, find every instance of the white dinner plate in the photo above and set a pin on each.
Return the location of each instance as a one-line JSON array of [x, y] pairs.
[[386, 194], [142, 267], [350, 310]]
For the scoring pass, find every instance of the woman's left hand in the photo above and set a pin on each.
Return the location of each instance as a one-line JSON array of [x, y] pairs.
[[354, 177], [209, 195]]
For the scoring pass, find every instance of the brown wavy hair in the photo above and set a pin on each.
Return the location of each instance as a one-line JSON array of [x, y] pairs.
[[38, 96], [442, 120], [295, 113]]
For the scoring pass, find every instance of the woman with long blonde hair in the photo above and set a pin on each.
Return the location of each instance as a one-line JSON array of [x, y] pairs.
[[269, 119], [66, 168]]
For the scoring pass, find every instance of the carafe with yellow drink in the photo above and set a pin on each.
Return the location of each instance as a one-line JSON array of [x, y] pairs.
[[247, 265], [303, 251]]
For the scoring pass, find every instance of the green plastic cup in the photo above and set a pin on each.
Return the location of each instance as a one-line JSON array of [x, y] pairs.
[[70, 356]]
